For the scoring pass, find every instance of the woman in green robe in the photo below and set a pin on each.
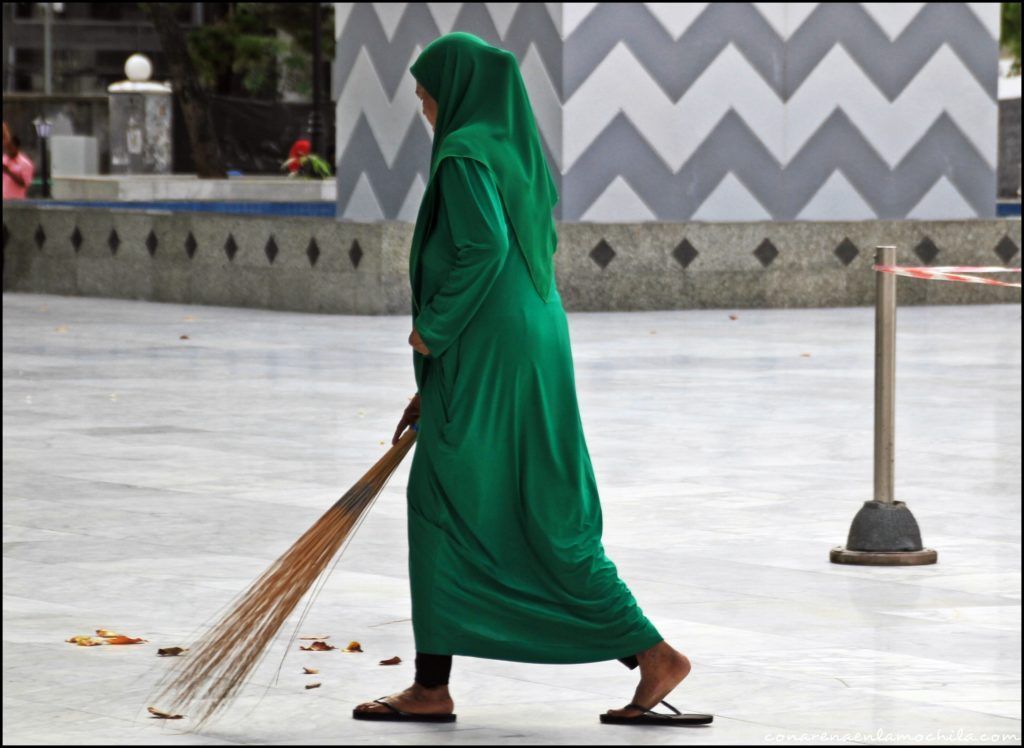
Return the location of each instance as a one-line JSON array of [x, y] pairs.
[[504, 518]]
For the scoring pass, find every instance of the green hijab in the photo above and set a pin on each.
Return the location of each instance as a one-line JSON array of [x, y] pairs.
[[484, 113]]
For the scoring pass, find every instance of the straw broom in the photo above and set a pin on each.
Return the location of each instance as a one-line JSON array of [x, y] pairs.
[[220, 662]]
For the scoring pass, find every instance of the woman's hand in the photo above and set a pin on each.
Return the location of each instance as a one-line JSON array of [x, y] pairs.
[[417, 343], [409, 417]]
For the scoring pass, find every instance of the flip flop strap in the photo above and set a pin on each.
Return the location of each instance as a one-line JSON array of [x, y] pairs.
[[672, 707], [651, 711], [392, 707]]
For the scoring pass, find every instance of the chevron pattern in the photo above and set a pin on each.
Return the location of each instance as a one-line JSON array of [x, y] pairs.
[[698, 111]]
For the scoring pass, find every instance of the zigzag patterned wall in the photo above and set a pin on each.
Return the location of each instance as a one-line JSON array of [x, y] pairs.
[[698, 111]]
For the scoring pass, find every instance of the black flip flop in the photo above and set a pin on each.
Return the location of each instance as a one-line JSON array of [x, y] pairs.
[[650, 717], [397, 715]]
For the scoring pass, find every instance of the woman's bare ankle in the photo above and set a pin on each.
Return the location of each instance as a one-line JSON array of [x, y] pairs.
[[435, 693], [663, 655], [658, 650]]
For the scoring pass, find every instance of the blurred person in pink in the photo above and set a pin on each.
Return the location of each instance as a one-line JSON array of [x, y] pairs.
[[18, 168]]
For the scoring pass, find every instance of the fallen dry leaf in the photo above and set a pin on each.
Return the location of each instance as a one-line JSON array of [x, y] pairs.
[[392, 661], [61, 328], [312, 685], [353, 647], [189, 318], [125, 640], [84, 641], [106, 634], [162, 715], [317, 647], [806, 355], [170, 651], [183, 337], [304, 638], [733, 316], [310, 671]]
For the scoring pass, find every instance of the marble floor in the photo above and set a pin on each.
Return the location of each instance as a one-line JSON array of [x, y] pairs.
[[148, 478]]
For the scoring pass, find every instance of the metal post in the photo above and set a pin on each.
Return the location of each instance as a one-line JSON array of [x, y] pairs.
[[45, 158], [315, 122], [48, 48], [884, 531], [885, 374]]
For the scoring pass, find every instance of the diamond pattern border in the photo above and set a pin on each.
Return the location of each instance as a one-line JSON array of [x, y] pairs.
[[602, 254], [846, 251], [926, 251], [684, 253], [766, 253]]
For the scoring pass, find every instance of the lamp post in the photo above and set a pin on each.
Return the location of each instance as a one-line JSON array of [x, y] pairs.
[[47, 48], [43, 128]]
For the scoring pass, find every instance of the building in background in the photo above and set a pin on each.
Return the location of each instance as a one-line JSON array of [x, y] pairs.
[[90, 43], [1009, 134]]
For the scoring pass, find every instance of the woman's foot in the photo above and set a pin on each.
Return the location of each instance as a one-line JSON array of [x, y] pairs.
[[662, 668], [416, 699]]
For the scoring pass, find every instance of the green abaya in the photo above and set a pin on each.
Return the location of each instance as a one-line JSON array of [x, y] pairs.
[[505, 554]]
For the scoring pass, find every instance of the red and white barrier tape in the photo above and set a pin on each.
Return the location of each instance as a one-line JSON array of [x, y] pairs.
[[950, 273]]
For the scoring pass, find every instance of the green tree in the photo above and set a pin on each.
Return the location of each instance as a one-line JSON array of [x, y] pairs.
[[1009, 38], [185, 83], [240, 53]]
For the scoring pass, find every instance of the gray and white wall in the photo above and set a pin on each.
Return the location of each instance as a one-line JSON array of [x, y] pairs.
[[698, 111]]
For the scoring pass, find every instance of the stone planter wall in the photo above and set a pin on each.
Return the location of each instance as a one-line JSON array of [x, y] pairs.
[[329, 266]]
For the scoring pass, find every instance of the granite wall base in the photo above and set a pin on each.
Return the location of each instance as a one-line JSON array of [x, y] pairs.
[[341, 267]]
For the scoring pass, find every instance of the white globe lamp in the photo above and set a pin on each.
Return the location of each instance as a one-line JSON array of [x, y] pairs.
[[138, 68]]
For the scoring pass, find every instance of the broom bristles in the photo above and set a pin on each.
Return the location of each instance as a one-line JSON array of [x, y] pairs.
[[219, 663]]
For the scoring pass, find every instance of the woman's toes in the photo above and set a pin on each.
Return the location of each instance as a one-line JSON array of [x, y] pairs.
[[628, 711]]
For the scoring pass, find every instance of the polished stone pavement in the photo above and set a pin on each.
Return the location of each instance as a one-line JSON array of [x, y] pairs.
[[147, 479]]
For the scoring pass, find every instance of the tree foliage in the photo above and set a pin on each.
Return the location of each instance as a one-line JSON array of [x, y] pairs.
[[1010, 35], [199, 122], [241, 53]]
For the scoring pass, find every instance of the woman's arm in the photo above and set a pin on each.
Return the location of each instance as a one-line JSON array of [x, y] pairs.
[[470, 197]]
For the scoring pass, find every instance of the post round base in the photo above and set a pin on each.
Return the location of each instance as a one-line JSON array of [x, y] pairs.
[[840, 555]]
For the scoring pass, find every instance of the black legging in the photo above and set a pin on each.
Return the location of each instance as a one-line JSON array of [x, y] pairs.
[[433, 670]]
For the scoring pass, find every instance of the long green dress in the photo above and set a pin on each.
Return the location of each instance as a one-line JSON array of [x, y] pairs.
[[505, 553]]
